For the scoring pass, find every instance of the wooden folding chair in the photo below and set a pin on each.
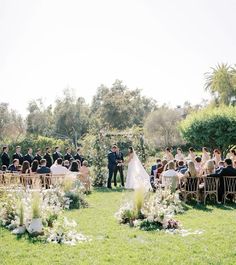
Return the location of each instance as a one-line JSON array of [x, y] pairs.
[[210, 187], [190, 186], [229, 186]]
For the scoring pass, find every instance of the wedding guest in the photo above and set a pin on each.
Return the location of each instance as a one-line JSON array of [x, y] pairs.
[[4, 168], [191, 155], [43, 167], [84, 176], [191, 171], [221, 165], [38, 155], [164, 163], [56, 154], [205, 155], [154, 167], [48, 157], [179, 156], [198, 165], [66, 164], [34, 166], [182, 168], [18, 155], [68, 156], [226, 171], [29, 157], [14, 166], [5, 157], [74, 166], [79, 156], [26, 168], [216, 157], [168, 155], [232, 154], [209, 167], [57, 167], [169, 177]]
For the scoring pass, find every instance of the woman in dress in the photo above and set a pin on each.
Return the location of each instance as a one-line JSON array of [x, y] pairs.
[[168, 155], [179, 156], [205, 155], [137, 177], [191, 155], [217, 157]]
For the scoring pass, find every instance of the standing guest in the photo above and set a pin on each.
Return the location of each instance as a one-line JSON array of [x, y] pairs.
[[26, 168], [119, 167], [84, 176], [79, 156], [216, 157], [5, 157], [205, 155], [43, 167], [18, 155], [34, 166], [56, 154], [28, 157], [191, 155], [168, 155], [179, 156], [198, 165], [14, 166], [57, 167], [68, 156], [48, 157], [38, 155], [232, 154]]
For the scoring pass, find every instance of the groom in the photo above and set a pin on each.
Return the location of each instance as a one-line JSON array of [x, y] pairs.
[[112, 162]]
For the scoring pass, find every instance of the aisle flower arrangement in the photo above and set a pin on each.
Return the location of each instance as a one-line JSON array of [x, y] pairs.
[[151, 211], [39, 214]]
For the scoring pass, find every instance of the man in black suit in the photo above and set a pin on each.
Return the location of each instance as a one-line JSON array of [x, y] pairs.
[[68, 156], [5, 157], [111, 164], [48, 157], [38, 155], [78, 156], [28, 157], [119, 167], [228, 170], [43, 168], [14, 166], [18, 155], [56, 154]]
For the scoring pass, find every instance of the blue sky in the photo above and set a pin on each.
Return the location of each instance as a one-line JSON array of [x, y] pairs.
[[162, 47]]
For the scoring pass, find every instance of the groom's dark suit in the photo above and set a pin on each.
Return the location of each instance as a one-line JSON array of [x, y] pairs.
[[119, 167], [111, 167]]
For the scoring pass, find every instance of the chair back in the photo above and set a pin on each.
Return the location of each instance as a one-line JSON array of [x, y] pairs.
[[210, 184], [230, 184], [191, 184]]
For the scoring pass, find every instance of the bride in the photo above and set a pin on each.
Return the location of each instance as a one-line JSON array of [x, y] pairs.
[[137, 177]]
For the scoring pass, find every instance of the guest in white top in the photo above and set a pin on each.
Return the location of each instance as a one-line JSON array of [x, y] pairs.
[[179, 156], [57, 167], [205, 155], [170, 176]]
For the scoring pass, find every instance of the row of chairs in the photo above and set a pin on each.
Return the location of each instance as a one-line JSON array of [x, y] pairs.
[[207, 186]]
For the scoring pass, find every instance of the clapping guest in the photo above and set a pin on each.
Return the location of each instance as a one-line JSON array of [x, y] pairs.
[[34, 166], [191, 155], [179, 156], [205, 155], [38, 155], [56, 154], [18, 155], [14, 166], [68, 155], [5, 157], [28, 157], [48, 157], [168, 155]]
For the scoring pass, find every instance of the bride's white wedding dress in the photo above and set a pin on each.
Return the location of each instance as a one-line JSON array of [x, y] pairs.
[[137, 177]]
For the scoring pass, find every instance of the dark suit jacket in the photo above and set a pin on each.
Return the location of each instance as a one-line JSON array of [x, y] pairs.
[[28, 158], [43, 170], [19, 157], [5, 159], [56, 155], [38, 157], [48, 158], [67, 156], [111, 160], [154, 167], [120, 157], [79, 157], [12, 168]]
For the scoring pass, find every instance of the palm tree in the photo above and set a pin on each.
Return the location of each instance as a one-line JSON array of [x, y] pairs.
[[221, 82]]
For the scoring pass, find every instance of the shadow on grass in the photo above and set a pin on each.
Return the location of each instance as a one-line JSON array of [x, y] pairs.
[[104, 189]]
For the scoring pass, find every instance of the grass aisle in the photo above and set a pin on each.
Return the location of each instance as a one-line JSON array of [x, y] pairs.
[[118, 244]]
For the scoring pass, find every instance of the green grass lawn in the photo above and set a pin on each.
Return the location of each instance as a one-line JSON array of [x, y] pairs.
[[119, 244]]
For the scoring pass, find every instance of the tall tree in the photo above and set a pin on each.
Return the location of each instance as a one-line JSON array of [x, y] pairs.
[[221, 82]]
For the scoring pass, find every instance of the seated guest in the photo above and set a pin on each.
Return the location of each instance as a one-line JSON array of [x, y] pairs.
[[191, 155], [26, 168], [191, 171], [205, 155], [43, 167], [14, 166], [179, 156], [220, 166], [84, 175], [209, 167], [34, 166], [57, 167], [18, 155], [169, 177], [74, 166], [68, 154], [66, 164], [4, 168], [228, 170], [181, 167], [168, 155], [48, 157], [28, 157], [5, 157], [162, 167], [154, 167], [38, 155]]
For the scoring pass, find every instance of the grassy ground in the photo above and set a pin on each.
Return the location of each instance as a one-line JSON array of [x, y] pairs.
[[118, 244]]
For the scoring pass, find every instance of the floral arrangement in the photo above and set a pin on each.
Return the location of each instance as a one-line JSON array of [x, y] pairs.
[[151, 212], [19, 209]]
